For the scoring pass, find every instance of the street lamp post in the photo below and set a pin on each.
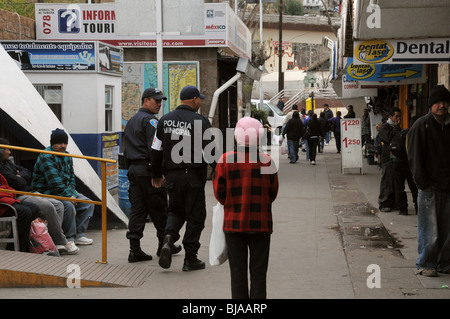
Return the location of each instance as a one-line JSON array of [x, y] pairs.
[[261, 93]]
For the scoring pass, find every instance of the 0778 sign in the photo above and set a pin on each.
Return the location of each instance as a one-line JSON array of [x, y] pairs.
[[351, 148]]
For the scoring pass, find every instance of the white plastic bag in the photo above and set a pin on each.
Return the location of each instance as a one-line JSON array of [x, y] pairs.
[[218, 253], [284, 147], [277, 139]]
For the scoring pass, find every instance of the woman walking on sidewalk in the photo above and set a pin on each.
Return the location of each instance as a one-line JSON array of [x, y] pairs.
[[313, 139], [246, 183]]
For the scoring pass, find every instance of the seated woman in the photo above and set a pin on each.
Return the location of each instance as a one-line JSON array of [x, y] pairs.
[[26, 212]]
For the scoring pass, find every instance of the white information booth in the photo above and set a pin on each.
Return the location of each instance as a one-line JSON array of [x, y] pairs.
[[351, 144]]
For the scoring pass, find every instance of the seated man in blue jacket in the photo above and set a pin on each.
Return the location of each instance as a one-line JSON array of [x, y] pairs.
[[54, 175]]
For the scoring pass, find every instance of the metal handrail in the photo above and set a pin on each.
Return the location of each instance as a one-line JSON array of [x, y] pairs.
[[275, 98], [103, 201]]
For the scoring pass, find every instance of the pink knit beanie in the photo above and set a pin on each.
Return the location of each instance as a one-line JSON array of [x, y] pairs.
[[248, 131]]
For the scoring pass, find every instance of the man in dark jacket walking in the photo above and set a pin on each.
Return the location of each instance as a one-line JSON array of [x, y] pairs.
[[402, 173], [328, 114], [335, 123], [294, 132], [324, 129], [428, 147], [386, 199]]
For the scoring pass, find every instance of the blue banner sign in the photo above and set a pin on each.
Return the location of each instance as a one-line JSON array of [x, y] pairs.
[[383, 72], [52, 56]]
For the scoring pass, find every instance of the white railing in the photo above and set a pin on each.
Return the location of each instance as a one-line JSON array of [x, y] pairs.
[[300, 96]]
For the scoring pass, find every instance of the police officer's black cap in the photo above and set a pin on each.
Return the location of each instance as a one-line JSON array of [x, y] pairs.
[[189, 92], [157, 94]]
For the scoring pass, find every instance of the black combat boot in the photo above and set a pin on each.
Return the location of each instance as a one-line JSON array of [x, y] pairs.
[[165, 258], [175, 249], [136, 253], [193, 264]]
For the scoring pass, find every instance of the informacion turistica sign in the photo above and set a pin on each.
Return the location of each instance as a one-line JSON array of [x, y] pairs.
[[411, 51]]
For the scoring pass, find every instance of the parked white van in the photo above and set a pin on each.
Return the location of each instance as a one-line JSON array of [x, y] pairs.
[[274, 115]]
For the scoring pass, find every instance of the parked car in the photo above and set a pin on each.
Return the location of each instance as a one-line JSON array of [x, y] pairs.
[[274, 115]]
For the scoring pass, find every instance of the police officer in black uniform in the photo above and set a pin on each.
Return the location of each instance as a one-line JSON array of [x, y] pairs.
[[144, 198], [179, 144]]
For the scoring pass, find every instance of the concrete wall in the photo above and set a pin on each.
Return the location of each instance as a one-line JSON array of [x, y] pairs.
[[15, 27]]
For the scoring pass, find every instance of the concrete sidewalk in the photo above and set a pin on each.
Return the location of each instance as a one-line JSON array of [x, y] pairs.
[[317, 249]]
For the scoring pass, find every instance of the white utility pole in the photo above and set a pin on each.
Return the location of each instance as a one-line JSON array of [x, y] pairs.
[[261, 94], [159, 50]]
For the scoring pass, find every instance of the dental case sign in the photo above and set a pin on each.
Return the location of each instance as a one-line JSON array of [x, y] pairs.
[[410, 51], [384, 72]]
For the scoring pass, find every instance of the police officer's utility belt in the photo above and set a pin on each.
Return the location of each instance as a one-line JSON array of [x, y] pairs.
[[140, 162]]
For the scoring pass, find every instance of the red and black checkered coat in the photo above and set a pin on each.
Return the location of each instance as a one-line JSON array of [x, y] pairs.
[[246, 187]]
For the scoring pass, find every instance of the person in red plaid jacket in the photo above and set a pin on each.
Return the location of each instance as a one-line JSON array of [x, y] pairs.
[[246, 183]]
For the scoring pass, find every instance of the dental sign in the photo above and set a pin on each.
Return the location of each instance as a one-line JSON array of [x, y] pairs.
[[412, 51]]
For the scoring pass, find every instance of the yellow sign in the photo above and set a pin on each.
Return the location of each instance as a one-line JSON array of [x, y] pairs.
[[360, 71], [309, 104], [374, 51]]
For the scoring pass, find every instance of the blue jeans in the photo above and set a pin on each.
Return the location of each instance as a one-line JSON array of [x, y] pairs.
[[76, 217], [433, 230], [327, 137], [305, 142], [321, 144], [293, 150]]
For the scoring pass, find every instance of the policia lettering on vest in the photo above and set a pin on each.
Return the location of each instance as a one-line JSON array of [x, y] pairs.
[[185, 180], [144, 198]]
